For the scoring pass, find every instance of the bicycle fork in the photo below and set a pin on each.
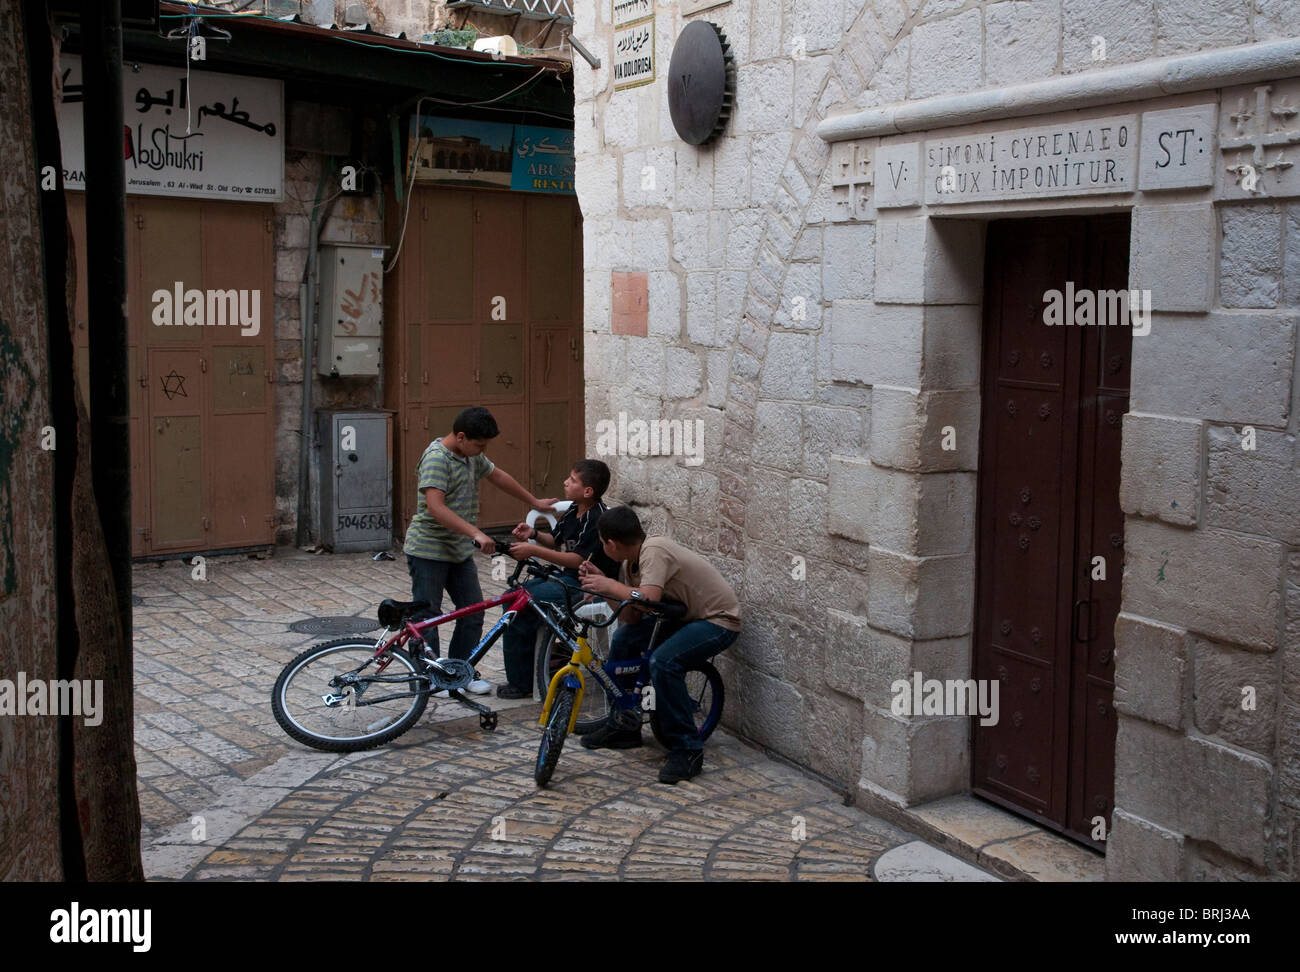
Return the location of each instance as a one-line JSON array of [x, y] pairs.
[[571, 676]]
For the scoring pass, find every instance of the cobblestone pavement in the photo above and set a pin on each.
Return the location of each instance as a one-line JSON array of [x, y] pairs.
[[225, 794]]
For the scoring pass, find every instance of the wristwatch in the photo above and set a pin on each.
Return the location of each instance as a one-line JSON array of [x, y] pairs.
[[534, 536]]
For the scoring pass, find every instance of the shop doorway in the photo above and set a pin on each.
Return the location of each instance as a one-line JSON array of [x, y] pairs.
[[202, 402], [487, 297]]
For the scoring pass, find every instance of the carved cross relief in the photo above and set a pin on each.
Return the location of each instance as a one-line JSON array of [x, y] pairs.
[[851, 179], [1262, 122]]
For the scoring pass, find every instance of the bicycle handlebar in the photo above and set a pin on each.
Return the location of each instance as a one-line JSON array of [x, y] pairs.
[[514, 578], [668, 610]]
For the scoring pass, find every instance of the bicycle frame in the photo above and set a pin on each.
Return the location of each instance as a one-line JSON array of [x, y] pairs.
[[571, 675], [514, 601], [583, 658]]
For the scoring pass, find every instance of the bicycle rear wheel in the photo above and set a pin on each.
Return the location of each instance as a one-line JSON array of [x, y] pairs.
[[552, 654], [346, 727], [704, 685], [557, 727]]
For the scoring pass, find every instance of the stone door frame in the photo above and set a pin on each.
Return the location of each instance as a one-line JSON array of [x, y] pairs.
[[922, 567]]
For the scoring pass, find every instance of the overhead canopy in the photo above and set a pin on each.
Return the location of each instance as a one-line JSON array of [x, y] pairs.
[[359, 67]]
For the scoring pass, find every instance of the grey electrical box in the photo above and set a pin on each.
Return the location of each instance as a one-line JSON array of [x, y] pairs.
[[351, 309], [356, 479]]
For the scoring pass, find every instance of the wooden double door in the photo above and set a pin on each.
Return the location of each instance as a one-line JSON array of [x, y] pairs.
[[485, 308], [201, 396], [1051, 532]]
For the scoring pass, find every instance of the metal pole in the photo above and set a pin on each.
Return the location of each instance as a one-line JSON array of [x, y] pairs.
[[587, 56], [101, 29]]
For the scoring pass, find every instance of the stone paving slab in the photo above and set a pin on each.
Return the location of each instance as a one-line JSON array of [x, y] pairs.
[[226, 795], [1004, 843], [918, 861]]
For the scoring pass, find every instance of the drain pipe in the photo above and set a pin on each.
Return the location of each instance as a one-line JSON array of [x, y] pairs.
[[307, 312]]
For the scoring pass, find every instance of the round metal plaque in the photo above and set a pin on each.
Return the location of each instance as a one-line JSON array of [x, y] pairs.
[[701, 82]]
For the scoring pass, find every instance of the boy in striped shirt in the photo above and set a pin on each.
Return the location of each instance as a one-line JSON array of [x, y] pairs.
[[439, 544]]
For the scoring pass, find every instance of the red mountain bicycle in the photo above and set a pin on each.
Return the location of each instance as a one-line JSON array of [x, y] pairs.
[[352, 694]]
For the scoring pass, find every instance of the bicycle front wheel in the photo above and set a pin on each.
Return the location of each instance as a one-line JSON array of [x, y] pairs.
[[557, 727], [704, 685], [347, 724], [551, 654]]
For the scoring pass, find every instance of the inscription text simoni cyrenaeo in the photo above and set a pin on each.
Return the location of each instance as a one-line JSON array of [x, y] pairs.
[[1072, 158], [1166, 149]]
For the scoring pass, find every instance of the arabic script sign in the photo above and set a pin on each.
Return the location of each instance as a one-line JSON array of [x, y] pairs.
[[217, 136], [543, 160], [634, 55]]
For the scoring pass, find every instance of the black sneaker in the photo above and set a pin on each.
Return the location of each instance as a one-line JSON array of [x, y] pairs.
[[610, 736], [510, 692], [682, 764]]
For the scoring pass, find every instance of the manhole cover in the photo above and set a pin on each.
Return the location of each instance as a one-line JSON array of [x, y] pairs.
[[334, 626]]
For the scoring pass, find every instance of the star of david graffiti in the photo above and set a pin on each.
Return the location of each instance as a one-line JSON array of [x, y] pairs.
[[174, 385]]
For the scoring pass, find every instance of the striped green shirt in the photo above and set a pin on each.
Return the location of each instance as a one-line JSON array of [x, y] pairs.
[[458, 479]]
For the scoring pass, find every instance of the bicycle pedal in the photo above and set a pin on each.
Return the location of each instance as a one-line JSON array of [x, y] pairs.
[[488, 721]]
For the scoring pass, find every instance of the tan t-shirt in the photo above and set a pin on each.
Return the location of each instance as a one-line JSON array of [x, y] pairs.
[[687, 577]]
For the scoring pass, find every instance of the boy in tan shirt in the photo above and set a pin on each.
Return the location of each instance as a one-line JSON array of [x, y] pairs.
[[658, 569]]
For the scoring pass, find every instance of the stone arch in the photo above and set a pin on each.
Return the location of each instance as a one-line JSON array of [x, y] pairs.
[[794, 195]]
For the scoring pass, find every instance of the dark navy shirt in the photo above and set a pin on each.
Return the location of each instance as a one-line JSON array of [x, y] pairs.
[[577, 534]]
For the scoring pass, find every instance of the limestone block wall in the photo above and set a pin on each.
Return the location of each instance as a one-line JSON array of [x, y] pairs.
[[1208, 642], [823, 336]]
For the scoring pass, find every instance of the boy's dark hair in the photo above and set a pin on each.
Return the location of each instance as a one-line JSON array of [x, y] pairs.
[[593, 473], [477, 423], [620, 525]]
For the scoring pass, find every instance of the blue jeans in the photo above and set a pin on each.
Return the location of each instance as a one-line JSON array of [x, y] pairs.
[[428, 580], [521, 636], [694, 641]]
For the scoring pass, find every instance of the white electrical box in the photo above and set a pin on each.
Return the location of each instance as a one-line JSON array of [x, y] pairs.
[[351, 309]]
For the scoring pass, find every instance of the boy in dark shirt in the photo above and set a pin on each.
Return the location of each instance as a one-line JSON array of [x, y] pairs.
[[574, 540]]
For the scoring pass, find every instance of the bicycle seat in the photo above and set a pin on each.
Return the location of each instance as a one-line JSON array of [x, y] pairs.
[[393, 613], [595, 611]]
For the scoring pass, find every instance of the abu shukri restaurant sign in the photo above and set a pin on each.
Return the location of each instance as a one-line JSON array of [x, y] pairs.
[[186, 133]]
